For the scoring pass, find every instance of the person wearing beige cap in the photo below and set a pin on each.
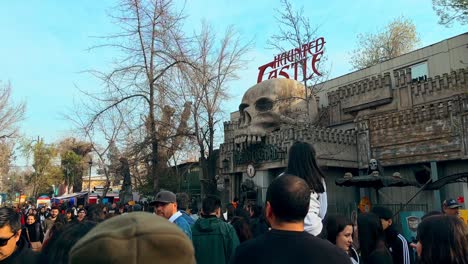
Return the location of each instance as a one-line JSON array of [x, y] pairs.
[[135, 238]]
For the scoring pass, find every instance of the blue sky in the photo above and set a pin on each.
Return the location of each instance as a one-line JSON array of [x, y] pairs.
[[43, 44]]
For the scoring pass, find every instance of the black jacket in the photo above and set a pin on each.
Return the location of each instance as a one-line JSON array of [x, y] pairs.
[[258, 226], [279, 247], [22, 254], [398, 247], [35, 232]]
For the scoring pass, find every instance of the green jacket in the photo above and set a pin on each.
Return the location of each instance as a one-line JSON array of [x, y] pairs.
[[214, 241]]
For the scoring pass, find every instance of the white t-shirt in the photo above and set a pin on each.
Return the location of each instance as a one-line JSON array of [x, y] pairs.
[[317, 211]]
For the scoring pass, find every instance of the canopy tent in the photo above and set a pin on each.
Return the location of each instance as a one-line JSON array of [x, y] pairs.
[[43, 200], [110, 197], [69, 197]]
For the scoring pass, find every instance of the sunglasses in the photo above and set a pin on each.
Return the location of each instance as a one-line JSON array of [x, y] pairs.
[[4, 241]]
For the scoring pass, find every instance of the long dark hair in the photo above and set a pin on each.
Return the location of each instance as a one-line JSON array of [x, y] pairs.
[[371, 235], [57, 250], [444, 239], [302, 163], [242, 228], [334, 224]]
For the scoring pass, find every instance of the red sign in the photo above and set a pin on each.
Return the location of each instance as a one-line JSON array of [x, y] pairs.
[[286, 64]]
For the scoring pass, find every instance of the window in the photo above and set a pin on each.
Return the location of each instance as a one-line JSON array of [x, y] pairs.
[[419, 72]]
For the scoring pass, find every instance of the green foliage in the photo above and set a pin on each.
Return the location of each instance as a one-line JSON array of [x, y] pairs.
[[397, 38], [15, 183], [168, 180], [47, 171], [451, 10], [52, 176], [71, 166], [43, 155], [73, 161], [113, 156], [6, 153]]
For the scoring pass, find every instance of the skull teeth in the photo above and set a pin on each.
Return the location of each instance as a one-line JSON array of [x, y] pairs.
[[246, 140]]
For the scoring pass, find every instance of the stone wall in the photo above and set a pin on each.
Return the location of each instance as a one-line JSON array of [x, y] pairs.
[[427, 132], [441, 57], [432, 89], [363, 94], [335, 148]]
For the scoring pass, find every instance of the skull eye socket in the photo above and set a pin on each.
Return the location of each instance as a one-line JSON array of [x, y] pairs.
[[242, 107], [263, 104]]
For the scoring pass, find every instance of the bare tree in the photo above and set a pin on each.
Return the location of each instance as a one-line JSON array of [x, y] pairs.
[[15, 182], [10, 114], [151, 43], [451, 10], [397, 38], [102, 136], [6, 157], [294, 31], [216, 64]]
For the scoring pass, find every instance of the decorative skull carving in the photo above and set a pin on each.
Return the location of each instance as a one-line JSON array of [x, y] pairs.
[[268, 105], [373, 166]]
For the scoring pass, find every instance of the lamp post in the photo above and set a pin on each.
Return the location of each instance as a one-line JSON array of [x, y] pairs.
[[90, 162]]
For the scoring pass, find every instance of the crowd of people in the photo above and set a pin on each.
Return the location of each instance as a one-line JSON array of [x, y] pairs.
[[292, 226]]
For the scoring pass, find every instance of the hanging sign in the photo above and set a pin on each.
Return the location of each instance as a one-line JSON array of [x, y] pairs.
[[287, 63]]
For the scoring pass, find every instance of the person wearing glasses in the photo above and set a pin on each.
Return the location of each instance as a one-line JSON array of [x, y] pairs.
[[13, 247]]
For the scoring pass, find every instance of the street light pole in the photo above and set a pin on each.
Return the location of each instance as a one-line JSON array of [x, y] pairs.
[[90, 162]]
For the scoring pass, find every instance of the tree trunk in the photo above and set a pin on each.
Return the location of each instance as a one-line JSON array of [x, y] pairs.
[[78, 182], [205, 190], [208, 168], [154, 140]]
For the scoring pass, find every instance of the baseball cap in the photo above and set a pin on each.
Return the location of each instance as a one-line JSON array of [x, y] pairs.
[[164, 197], [382, 212], [451, 203]]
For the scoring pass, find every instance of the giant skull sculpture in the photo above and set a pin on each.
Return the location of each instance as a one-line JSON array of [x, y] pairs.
[[268, 105]]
